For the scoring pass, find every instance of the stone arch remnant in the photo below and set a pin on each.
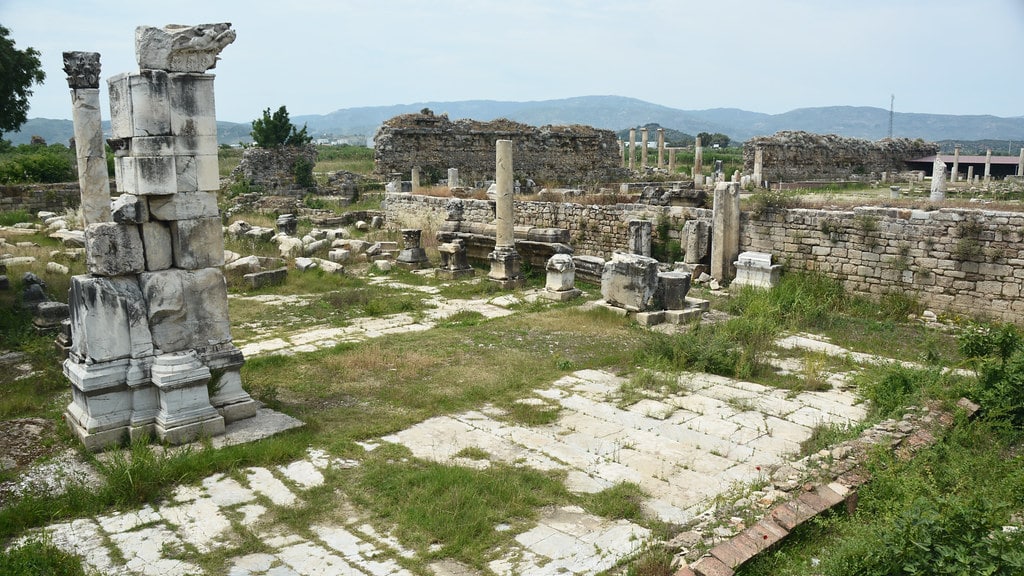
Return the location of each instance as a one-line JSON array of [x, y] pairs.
[[151, 349]]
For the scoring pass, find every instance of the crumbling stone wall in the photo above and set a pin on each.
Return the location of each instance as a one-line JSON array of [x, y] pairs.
[[564, 154], [790, 156], [35, 197], [273, 170], [954, 260], [594, 230]]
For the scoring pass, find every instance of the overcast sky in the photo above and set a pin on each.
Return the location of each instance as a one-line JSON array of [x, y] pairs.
[[316, 56]]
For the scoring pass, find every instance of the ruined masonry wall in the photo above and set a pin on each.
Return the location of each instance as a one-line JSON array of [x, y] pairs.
[[595, 230], [33, 198], [968, 262]]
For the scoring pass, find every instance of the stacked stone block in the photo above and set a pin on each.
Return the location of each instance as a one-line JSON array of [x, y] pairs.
[[152, 351]]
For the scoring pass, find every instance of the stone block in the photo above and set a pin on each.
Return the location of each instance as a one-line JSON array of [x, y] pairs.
[[129, 209], [242, 266], [197, 243], [141, 146], [195, 145], [186, 174], [227, 394], [150, 103], [791, 514], [177, 48], [273, 277], [154, 175], [184, 206], [156, 239], [186, 309], [630, 281], [113, 249], [120, 107], [207, 172], [192, 105], [108, 319]]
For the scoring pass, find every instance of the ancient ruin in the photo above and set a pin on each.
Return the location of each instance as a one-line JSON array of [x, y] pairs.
[[564, 154], [797, 156], [151, 350]]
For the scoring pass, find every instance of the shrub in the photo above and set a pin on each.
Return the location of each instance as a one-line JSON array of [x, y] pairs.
[[998, 354], [37, 164]]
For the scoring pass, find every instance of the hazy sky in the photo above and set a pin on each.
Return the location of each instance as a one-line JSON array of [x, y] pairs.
[[316, 56]]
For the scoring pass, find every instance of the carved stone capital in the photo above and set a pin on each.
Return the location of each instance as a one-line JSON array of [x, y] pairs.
[[83, 69], [177, 48]]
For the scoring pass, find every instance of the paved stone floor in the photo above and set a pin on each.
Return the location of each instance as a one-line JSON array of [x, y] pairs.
[[684, 450]]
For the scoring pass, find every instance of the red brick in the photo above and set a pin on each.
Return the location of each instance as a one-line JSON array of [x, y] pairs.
[[792, 514], [711, 566], [735, 551], [685, 571], [765, 533]]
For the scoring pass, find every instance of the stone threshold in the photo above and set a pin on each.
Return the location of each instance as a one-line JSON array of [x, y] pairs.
[[837, 484]]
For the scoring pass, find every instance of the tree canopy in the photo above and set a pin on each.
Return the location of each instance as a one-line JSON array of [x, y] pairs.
[[707, 139], [19, 70], [277, 130]]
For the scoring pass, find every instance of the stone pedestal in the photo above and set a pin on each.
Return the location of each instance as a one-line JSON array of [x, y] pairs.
[[672, 290], [454, 263], [725, 234], [412, 257], [695, 240], [505, 268], [101, 403], [231, 401], [287, 224], [756, 269], [185, 410], [561, 279]]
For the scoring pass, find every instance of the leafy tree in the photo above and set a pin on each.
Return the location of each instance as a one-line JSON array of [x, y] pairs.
[[708, 139], [19, 70], [277, 130]]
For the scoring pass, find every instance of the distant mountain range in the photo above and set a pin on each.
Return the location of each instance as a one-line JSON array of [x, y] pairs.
[[617, 112]]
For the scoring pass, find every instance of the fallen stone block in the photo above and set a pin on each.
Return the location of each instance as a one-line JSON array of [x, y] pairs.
[[274, 277]]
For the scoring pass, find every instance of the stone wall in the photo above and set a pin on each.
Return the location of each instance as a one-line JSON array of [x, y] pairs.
[[968, 262], [560, 154], [273, 170], [790, 156], [594, 230], [35, 197]]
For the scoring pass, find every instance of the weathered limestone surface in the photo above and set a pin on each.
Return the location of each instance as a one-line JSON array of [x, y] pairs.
[[725, 234], [182, 48], [83, 70], [549, 153], [630, 281], [790, 156], [938, 190], [272, 170]]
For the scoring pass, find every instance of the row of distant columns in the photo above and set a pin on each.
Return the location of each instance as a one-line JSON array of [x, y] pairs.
[[628, 151], [955, 172]]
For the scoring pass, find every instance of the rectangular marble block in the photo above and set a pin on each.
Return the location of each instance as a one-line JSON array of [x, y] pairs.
[[186, 309], [108, 319], [193, 111], [114, 249], [140, 104], [142, 146], [183, 206], [156, 238], [197, 243], [208, 172]]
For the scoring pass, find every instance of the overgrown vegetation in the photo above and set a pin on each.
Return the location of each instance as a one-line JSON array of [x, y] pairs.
[[36, 163]]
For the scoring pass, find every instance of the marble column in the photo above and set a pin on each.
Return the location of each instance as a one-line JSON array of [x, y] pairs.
[[725, 234], [414, 175], [83, 70], [938, 190], [1020, 163], [505, 262], [622, 152], [698, 158], [639, 237], [988, 166], [955, 174], [970, 174], [661, 148], [632, 148], [758, 166], [453, 177], [643, 148], [672, 160]]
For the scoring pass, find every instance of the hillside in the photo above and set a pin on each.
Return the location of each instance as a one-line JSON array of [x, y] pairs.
[[618, 112]]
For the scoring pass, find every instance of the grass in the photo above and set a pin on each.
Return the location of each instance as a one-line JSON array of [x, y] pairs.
[[939, 513], [38, 557]]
